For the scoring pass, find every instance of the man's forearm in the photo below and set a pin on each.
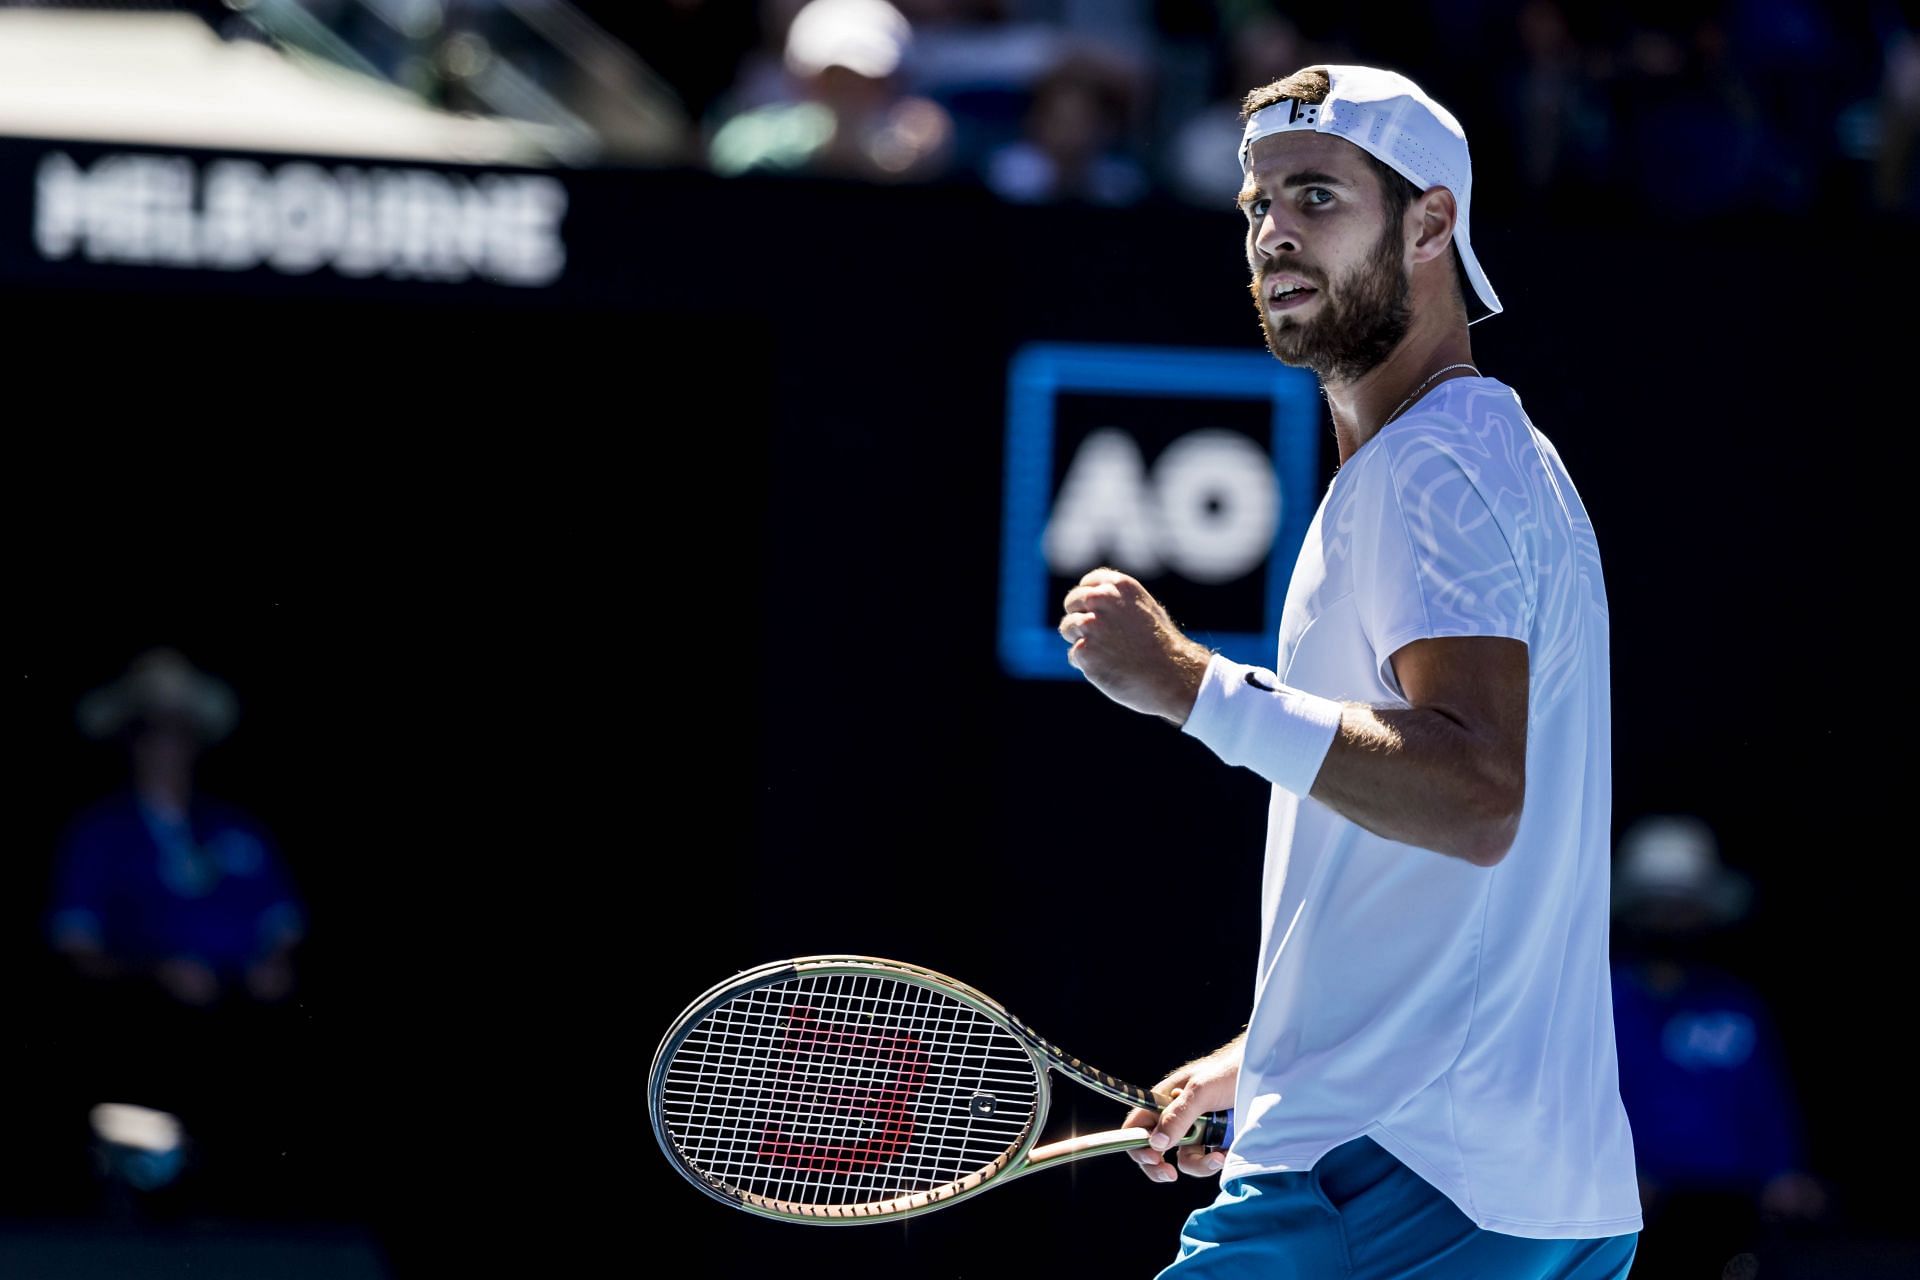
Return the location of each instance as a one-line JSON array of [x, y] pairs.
[[1446, 770]]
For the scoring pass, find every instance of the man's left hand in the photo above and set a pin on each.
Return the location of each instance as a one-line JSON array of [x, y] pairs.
[[1123, 641]]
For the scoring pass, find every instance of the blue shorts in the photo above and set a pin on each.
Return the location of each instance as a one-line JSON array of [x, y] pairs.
[[1359, 1214]]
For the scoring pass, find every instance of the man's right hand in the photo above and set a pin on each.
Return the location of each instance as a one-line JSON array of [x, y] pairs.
[[188, 980], [1203, 1085]]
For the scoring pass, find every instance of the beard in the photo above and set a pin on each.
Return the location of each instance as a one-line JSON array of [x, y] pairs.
[[1360, 322]]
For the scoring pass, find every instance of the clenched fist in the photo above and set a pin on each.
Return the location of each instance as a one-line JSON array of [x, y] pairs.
[[1123, 641]]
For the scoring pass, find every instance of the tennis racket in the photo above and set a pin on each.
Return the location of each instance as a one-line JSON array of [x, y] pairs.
[[849, 1089]]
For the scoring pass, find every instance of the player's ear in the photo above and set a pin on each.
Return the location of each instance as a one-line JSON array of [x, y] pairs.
[[1435, 212]]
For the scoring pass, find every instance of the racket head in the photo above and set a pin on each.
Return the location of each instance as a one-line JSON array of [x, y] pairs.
[[845, 1089]]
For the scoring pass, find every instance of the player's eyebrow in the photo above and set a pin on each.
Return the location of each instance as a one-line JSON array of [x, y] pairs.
[[1312, 178], [1305, 178]]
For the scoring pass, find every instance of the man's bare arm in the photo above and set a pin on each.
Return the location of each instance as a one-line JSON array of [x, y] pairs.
[[1447, 773]]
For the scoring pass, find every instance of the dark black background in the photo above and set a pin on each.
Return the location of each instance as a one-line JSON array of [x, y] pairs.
[[596, 644]]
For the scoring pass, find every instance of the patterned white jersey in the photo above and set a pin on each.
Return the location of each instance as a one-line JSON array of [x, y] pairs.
[[1461, 1016]]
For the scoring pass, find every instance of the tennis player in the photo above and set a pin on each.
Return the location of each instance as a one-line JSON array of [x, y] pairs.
[[1427, 1084]]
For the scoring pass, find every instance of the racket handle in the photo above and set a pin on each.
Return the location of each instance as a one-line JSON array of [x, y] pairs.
[[1217, 1129]]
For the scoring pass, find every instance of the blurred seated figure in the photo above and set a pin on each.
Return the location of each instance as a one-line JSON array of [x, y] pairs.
[[847, 112], [1074, 145], [159, 883], [1689, 135], [180, 926], [1716, 1123]]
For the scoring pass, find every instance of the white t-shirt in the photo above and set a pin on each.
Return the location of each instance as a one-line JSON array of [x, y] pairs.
[[1460, 1016]]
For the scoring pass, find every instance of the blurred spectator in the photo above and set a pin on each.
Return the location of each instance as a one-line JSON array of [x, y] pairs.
[[846, 111], [1727, 107], [1557, 101], [1682, 110], [1716, 1123], [981, 68], [1077, 140], [1202, 164], [1131, 25], [1896, 173], [1687, 138], [1788, 52], [158, 882], [180, 925]]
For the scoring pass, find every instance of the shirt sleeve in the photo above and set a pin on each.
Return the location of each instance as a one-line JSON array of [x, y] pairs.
[[1444, 561]]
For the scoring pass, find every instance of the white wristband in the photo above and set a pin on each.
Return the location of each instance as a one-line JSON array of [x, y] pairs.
[[1247, 717]]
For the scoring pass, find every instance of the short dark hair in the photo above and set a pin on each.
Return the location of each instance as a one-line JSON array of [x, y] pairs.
[[1311, 85]]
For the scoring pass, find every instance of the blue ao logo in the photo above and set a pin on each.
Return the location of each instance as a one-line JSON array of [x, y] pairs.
[[1194, 470]]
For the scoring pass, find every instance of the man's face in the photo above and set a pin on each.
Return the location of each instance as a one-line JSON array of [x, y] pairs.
[[165, 745], [1328, 263]]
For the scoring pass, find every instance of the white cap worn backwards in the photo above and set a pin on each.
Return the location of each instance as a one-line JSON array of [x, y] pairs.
[[1392, 119]]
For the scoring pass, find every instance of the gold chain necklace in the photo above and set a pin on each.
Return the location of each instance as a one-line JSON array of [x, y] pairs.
[[1423, 386]]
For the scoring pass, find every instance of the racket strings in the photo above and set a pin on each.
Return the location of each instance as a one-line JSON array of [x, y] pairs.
[[846, 1089]]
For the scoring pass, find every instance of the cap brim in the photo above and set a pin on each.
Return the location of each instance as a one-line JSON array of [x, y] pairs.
[[1486, 302]]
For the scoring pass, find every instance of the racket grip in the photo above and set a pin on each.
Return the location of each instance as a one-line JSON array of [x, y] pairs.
[[1217, 1129]]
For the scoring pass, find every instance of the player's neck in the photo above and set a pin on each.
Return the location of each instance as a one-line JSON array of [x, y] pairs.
[[167, 794], [1361, 407]]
